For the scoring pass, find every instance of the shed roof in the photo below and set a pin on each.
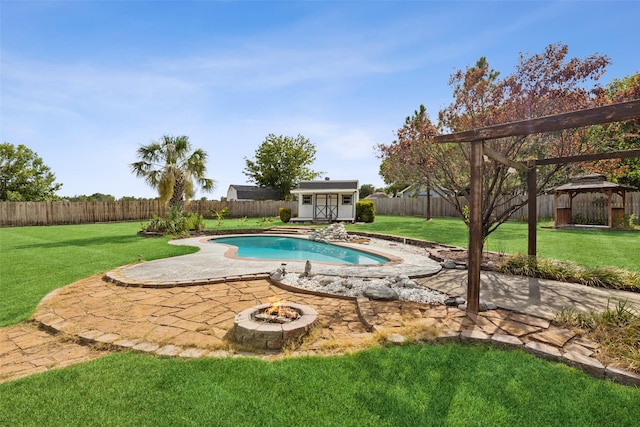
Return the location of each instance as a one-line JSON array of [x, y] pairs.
[[253, 192], [326, 185], [590, 182]]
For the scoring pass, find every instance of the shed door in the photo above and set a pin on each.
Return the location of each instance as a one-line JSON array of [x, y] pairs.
[[326, 206]]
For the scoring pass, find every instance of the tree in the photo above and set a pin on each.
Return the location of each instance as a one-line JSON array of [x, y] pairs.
[[95, 197], [542, 84], [281, 162], [619, 136], [24, 176], [365, 190], [169, 166]]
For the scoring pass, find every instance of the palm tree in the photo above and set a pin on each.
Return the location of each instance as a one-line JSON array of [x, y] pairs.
[[167, 166]]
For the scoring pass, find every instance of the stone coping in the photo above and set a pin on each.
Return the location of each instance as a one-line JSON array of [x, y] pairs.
[[117, 278], [210, 263]]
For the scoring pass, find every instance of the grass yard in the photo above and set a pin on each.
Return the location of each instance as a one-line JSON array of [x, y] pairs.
[[589, 248], [36, 260], [435, 385], [453, 384]]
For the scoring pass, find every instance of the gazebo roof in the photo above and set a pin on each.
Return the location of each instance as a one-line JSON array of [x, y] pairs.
[[591, 182]]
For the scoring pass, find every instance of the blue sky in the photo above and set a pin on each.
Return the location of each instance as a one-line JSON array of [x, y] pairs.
[[84, 83]]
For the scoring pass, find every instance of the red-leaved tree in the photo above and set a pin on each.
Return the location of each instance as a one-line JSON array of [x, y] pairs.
[[541, 85]]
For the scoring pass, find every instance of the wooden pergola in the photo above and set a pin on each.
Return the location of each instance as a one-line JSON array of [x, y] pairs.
[[602, 115], [593, 183]]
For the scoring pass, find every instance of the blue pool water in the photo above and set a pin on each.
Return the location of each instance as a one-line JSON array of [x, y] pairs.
[[293, 249]]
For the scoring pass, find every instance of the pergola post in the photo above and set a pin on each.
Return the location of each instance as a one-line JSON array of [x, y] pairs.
[[475, 228], [532, 211]]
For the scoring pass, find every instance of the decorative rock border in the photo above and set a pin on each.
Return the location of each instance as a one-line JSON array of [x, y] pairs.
[[432, 248]]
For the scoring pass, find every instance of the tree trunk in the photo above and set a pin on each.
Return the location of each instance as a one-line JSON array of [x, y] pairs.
[[177, 198]]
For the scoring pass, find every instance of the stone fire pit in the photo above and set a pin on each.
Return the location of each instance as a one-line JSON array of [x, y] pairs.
[[252, 328]]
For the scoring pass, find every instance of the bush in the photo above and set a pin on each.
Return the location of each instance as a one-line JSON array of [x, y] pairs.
[[177, 223], [630, 221], [195, 221], [365, 211], [285, 214]]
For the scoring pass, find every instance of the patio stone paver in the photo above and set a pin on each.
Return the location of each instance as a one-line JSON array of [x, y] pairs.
[[556, 337], [25, 349], [506, 340], [588, 364], [516, 328], [546, 351], [577, 348]]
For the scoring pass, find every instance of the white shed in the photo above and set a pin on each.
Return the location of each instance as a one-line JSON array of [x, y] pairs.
[[321, 201]]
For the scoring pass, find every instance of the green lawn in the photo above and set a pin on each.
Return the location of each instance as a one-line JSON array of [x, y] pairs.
[[37, 260], [432, 385], [589, 248], [455, 384]]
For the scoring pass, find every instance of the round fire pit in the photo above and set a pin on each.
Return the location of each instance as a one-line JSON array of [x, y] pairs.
[[268, 326]]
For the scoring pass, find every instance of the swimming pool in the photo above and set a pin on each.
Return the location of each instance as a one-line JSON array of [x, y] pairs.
[[294, 249]]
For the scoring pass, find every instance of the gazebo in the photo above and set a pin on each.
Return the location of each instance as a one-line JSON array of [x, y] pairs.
[[592, 183]]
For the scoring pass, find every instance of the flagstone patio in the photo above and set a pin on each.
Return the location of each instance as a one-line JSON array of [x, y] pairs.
[[93, 317]]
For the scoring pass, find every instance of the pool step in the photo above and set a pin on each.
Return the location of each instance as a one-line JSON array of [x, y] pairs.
[[288, 230]]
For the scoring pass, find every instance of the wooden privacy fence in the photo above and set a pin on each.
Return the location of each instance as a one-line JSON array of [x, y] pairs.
[[588, 206], [250, 209], [56, 213]]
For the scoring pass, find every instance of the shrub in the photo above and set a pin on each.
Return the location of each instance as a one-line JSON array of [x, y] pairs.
[[581, 219], [285, 214], [365, 211], [195, 221], [630, 221], [177, 223]]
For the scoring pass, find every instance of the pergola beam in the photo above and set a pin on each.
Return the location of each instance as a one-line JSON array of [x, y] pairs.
[[499, 157], [593, 116], [624, 154]]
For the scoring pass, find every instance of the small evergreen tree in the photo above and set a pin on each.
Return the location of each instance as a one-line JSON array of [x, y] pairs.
[[365, 211]]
